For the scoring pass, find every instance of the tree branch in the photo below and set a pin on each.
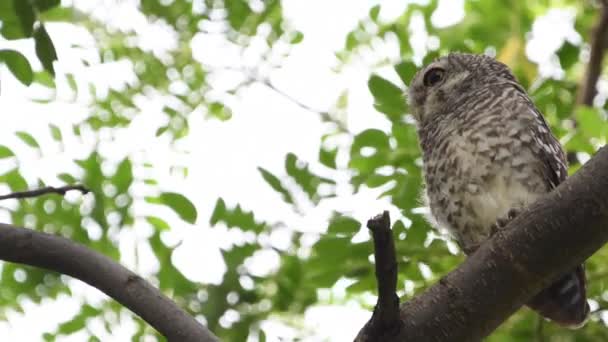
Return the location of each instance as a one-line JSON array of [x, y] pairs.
[[599, 43], [58, 254], [385, 319], [552, 236], [48, 190]]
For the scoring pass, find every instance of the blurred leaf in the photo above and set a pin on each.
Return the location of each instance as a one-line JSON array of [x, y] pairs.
[[45, 50], [44, 78], [158, 223], [388, 97], [25, 13], [5, 152], [406, 71], [328, 157], [276, 184], [568, 55], [343, 225], [45, 5], [236, 217], [297, 38], [220, 111], [299, 171], [179, 203], [18, 65], [591, 123], [67, 178], [55, 132], [28, 139], [373, 12]]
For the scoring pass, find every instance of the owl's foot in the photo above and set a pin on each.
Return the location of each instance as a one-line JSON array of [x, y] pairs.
[[504, 221]]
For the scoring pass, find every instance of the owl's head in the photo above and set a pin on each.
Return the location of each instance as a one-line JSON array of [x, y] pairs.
[[439, 86]]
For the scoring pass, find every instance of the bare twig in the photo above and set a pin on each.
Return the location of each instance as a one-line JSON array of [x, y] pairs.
[[599, 43], [48, 190], [58, 254], [385, 319]]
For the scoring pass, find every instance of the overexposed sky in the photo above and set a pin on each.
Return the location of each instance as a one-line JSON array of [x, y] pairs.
[[222, 157]]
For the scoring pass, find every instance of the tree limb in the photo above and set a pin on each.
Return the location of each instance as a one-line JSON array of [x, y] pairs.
[[599, 43], [48, 190], [552, 236], [385, 319], [58, 254]]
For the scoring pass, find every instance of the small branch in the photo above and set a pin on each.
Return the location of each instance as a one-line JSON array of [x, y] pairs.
[[385, 320], [599, 43], [58, 254], [48, 190]]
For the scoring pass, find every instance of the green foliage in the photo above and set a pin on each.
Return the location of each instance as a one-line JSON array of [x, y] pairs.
[[18, 65], [384, 159]]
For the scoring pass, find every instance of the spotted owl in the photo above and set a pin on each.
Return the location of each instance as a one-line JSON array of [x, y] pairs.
[[488, 153]]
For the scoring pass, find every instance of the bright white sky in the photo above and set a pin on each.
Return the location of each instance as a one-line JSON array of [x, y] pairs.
[[223, 156]]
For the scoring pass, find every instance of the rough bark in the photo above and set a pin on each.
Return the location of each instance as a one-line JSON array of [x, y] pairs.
[[58, 254], [556, 233]]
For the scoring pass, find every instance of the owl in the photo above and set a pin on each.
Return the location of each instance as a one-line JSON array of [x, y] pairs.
[[488, 153]]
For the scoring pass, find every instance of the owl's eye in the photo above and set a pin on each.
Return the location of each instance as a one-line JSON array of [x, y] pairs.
[[433, 76]]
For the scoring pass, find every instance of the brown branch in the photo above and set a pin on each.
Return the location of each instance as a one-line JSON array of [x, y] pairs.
[[385, 320], [552, 236], [48, 190], [58, 254], [599, 43]]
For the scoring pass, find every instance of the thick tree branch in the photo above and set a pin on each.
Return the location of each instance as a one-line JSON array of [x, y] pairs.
[[599, 43], [48, 190], [552, 236], [58, 254]]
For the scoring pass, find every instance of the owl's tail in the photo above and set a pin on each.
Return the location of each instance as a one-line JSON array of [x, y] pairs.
[[565, 301]]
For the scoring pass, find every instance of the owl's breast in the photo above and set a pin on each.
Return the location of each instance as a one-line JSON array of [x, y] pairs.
[[475, 178]]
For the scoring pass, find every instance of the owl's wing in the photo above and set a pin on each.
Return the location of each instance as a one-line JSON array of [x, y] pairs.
[[550, 151]]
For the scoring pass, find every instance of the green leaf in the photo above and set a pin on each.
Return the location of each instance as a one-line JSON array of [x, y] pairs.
[[373, 12], [236, 217], [5, 152], [328, 157], [55, 132], [25, 13], [276, 184], [218, 212], [568, 55], [28, 139], [45, 50], [301, 174], [44, 5], [344, 225], [388, 97], [297, 38], [158, 223], [406, 71], [591, 122], [72, 82], [18, 65], [417, 232], [179, 203], [44, 78], [123, 178], [220, 111], [67, 178]]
